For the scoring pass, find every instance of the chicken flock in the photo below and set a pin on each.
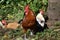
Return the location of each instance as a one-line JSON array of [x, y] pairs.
[[30, 21], [33, 22]]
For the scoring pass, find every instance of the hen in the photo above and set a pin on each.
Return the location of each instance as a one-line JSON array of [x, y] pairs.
[[6, 25], [13, 25], [4, 22]]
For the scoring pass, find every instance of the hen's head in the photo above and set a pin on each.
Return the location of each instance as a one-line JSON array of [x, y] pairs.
[[26, 9], [41, 11]]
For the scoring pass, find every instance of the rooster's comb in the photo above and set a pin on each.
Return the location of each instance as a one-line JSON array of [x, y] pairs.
[[41, 11], [27, 6]]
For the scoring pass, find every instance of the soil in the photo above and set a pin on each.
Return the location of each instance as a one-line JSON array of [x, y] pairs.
[[53, 11]]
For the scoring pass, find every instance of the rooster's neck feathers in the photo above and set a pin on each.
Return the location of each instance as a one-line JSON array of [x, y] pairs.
[[40, 19]]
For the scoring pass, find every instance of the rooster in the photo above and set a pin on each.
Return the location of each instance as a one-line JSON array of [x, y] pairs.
[[40, 22], [40, 19], [28, 20]]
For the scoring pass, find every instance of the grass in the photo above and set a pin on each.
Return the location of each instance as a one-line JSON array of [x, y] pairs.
[[57, 23], [47, 34]]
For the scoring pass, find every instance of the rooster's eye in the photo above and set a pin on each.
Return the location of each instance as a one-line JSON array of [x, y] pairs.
[[24, 13], [42, 21]]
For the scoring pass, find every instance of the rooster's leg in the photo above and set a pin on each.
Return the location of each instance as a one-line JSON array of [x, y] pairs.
[[25, 36], [31, 32]]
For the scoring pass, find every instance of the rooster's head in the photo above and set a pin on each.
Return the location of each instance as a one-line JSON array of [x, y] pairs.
[[26, 9], [41, 11]]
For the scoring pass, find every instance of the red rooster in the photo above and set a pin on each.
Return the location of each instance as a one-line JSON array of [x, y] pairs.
[[28, 20]]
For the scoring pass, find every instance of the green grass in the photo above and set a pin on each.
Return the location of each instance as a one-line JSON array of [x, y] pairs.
[[47, 34], [57, 23]]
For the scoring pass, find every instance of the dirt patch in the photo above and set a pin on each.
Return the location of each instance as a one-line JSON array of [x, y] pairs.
[[53, 12]]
